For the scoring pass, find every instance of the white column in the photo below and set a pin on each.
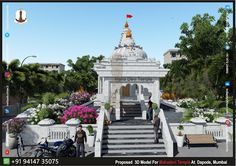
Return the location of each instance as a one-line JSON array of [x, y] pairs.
[[102, 84], [105, 90], [139, 89], [156, 92], [99, 88], [118, 104]]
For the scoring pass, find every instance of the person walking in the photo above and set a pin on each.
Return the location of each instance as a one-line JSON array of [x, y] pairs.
[[156, 124], [149, 111], [80, 139]]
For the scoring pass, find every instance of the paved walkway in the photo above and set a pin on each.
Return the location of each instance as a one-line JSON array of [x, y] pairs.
[[206, 151], [30, 151]]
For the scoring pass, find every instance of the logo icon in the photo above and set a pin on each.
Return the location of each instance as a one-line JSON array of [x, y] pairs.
[[7, 151], [7, 34], [20, 17], [6, 161], [227, 83]]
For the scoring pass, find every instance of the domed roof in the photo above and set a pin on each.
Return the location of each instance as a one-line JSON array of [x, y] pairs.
[[127, 46], [129, 51]]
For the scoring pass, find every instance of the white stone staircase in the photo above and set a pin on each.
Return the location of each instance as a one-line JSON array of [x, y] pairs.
[[131, 138]]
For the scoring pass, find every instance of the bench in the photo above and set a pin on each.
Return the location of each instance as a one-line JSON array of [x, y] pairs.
[[200, 139]]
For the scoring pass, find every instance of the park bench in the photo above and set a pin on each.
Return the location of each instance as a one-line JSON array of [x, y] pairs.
[[200, 139]]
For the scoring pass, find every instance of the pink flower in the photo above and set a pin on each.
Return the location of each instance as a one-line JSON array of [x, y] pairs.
[[87, 114]]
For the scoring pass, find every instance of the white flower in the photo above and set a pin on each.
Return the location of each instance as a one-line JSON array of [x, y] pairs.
[[32, 123]]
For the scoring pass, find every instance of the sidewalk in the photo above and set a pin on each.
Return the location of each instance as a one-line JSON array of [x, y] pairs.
[[30, 151]]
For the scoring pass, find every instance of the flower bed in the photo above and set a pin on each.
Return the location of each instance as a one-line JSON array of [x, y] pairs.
[[85, 114], [80, 97]]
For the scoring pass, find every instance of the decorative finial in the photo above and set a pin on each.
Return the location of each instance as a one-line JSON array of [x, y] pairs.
[[126, 25], [128, 34]]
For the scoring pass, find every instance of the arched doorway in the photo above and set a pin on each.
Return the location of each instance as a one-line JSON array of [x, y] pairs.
[[125, 91], [129, 91]]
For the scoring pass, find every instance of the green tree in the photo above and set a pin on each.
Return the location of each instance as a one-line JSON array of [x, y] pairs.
[[202, 73], [82, 74]]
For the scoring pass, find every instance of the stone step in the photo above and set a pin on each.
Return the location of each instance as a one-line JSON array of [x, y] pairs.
[[130, 106], [130, 141], [129, 136], [124, 146], [130, 103], [138, 122], [136, 155], [136, 127], [125, 151], [129, 118], [128, 131], [131, 112], [131, 109]]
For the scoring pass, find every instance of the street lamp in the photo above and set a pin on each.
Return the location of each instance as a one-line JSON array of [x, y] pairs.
[[33, 56]]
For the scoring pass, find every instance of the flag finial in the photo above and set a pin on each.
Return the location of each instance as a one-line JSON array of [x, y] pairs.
[[126, 24]]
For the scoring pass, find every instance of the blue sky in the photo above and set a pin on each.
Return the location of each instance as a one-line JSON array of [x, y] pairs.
[[56, 32]]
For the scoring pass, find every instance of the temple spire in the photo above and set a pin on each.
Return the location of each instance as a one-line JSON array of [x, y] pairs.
[[126, 36], [126, 24]]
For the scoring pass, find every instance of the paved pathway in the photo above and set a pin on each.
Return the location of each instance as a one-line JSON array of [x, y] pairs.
[[206, 151], [30, 151]]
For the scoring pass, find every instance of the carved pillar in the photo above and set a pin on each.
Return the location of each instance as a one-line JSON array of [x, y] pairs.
[[118, 104], [156, 92], [99, 83]]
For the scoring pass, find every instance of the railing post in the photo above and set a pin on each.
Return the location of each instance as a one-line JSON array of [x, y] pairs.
[[169, 144], [117, 106], [99, 137]]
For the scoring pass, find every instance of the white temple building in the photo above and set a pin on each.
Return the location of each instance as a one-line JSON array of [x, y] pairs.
[[129, 74]]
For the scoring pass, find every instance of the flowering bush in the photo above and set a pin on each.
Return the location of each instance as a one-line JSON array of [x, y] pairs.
[[16, 125], [63, 102], [43, 112], [186, 103], [85, 114], [80, 97]]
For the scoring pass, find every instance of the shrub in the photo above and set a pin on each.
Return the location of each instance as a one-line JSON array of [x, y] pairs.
[[29, 105], [187, 115], [80, 97], [90, 129], [154, 106], [107, 106], [85, 114], [209, 117], [48, 98], [16, 125], [62, 95], [44, 113], [180, 128], [223, 110]]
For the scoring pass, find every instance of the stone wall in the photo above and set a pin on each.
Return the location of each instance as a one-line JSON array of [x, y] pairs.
[[32, 134]]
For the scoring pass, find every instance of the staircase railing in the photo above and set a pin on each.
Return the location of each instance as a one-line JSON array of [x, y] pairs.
[[117, 106], [143, 107], [99, 136], [168, 141]]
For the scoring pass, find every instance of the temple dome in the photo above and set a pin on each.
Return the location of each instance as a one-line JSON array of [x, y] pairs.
[[127, 47]]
